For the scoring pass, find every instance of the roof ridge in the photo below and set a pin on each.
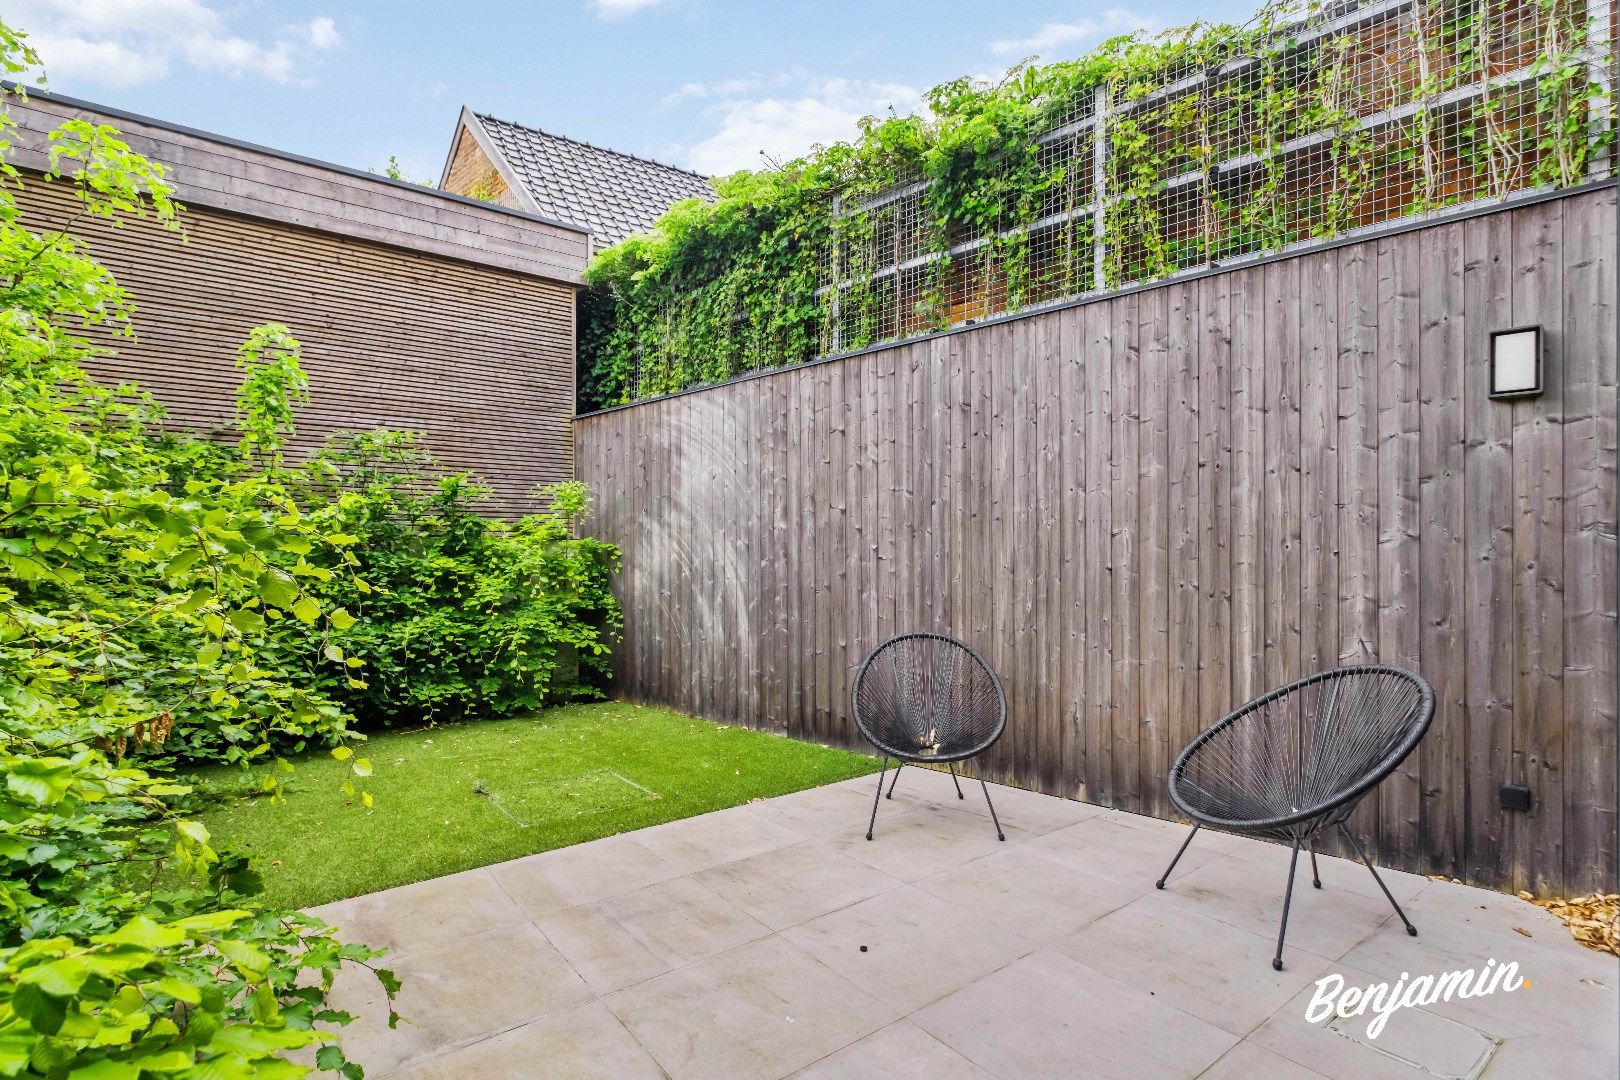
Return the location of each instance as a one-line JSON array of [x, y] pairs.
[[590, 145]]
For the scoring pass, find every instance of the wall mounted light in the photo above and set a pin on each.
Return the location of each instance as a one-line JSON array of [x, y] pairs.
[[1516, 362]]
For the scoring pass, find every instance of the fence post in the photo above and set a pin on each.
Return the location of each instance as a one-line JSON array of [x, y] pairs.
[[1600, 49], [1099, 186]]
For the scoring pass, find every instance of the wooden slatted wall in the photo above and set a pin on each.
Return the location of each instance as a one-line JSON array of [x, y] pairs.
[[479, 359], [1146, 509]]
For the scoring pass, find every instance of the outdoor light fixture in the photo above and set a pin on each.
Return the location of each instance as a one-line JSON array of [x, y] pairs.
[[1516, 362]]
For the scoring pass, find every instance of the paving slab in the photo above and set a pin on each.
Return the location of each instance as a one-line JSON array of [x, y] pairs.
[[758, 1012], [791, 885], [1026, 890], [555, 880], [729, 945], [907, 947], [1047, 1015], [455, 995], [1206, 968], [584, 1043], [426, 914], [901, 1051], [623, 940]]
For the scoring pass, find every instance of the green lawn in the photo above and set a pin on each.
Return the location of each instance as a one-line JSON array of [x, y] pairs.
[[455, 797]]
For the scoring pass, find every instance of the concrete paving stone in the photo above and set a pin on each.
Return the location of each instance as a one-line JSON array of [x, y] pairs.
[[586, 1042], [924, 841], [1210, 839], [1131, 855], [1326, 922], [1027, 891], [711, 839], [901, 1051], [455, 995], [1246, 1061], [424, 915], [918, 947], [1550, 1056], [819, 812], [1029, 811], [1049, 1016], [565, 878], [790, 885], [1336, 873], [625, 939], [1413, 1044], [1216, 972], [757, 1012], [1463, 928]]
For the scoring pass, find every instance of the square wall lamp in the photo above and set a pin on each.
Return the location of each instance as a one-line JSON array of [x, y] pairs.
[[1516, 363]]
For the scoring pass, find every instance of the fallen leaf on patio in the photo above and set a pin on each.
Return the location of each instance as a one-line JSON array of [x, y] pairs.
[[1593, 920], [1522, 930]]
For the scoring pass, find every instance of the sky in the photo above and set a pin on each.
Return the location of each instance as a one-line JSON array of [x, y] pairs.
[[711, 85]]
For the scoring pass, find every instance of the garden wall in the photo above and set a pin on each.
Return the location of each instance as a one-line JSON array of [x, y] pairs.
[[1146, 508]]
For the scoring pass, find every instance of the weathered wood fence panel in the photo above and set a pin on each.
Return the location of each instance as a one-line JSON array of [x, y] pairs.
[[1150, 507]]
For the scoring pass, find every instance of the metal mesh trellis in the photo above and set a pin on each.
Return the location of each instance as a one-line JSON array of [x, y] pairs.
[[1351, 117]]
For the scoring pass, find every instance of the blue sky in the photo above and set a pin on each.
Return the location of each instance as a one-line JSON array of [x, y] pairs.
[[703, 83]]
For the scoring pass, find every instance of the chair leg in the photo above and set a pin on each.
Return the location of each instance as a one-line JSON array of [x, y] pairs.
[[1356, 844], [1282, 931], [1316, 878], [896, 779], [952, 766], [878, 797], [1179, 854], [993, 819]]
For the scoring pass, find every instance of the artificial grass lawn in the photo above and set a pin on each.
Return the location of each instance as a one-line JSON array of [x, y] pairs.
[[466, 795]]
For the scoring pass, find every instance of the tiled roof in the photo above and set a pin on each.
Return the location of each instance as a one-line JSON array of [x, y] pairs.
[[613, 194]]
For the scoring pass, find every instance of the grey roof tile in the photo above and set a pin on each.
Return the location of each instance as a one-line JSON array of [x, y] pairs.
[[611, 193]]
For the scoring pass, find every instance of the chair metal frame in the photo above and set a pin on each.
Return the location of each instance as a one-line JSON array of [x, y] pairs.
[[903, 755], [1302, 827]]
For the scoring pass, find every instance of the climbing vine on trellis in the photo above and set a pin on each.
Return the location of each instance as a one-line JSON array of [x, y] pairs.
[[1219, 142]]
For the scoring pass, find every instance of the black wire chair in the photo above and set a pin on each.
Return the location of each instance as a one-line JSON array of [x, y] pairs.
[[1295, 762], [928, 698]]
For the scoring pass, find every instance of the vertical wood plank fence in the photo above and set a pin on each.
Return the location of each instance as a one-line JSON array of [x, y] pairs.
[[1148, 508]]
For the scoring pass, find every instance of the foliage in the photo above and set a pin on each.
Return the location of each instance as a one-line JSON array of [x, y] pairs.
[[454, 614], [830, 253], [141, 595]]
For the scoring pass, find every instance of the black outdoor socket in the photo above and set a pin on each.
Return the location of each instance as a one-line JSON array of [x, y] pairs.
[[1515, 797]]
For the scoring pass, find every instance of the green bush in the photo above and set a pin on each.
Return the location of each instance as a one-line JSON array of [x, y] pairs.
[[460, 615], [145, 596]]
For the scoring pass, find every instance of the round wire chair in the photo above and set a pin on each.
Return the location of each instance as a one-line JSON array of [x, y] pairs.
[[1296, 761], [928, 698]]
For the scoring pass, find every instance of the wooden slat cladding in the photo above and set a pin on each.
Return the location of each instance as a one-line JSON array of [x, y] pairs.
[[478, 360], [209, 171], [1148, 508]]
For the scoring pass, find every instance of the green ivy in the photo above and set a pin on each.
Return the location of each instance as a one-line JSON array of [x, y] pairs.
[[795, 262]]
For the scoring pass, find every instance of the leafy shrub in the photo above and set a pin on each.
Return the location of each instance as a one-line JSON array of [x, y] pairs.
[[460, 615], [142, 593]]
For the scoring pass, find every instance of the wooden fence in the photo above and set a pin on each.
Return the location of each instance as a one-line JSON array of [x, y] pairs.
[[1147, 508]]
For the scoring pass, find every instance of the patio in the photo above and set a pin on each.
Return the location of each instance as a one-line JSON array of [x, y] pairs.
[[772, 940]]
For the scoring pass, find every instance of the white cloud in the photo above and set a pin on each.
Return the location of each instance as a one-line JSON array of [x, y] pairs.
[[323, 34], [752, 132], [619, 9], [124, 42], [1063, 37]]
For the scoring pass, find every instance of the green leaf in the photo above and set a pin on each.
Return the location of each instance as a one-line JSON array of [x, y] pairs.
[[146, 933], [341, 619], [307, 609]]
